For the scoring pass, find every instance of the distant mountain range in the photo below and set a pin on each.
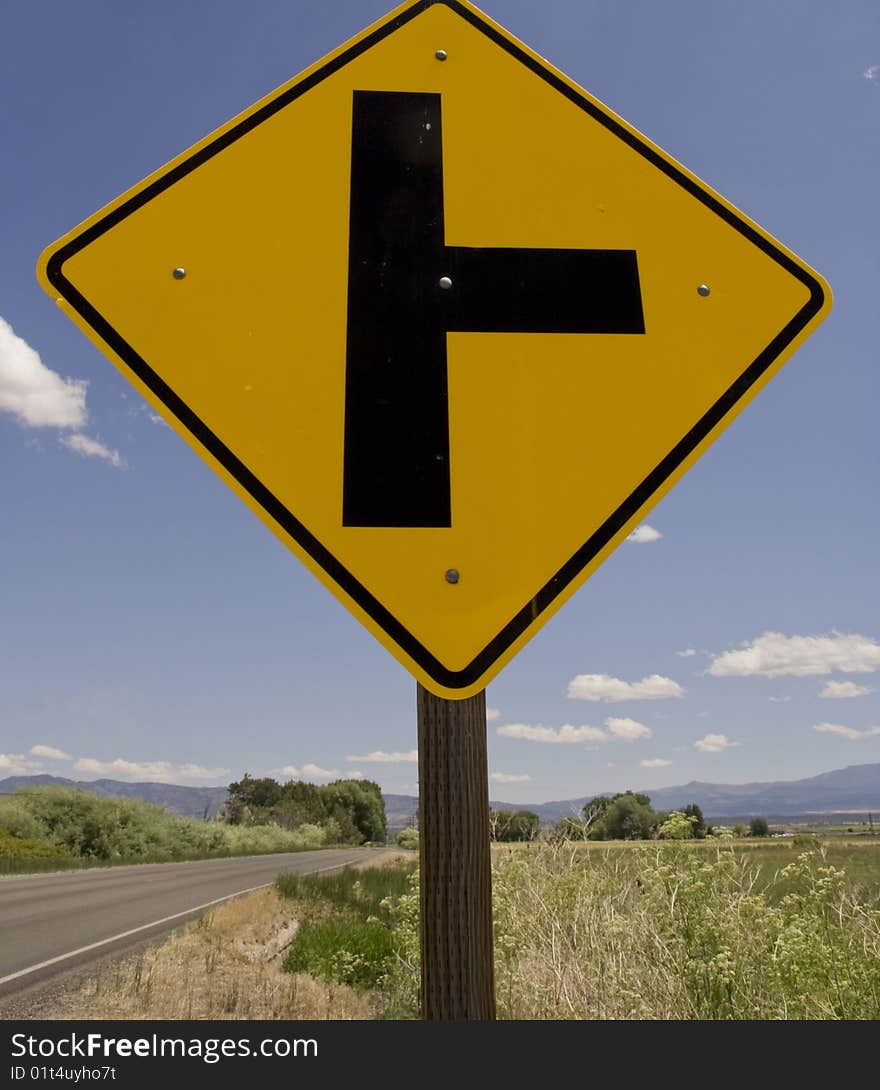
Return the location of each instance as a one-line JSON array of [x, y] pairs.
[[851, 790], [848, 790]]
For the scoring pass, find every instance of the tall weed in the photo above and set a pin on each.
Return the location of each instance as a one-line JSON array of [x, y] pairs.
[[668, 933]]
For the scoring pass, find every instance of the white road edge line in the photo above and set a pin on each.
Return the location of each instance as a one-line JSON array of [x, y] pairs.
[[154, 923]]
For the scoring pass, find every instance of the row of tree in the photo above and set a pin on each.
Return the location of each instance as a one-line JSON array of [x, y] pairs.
[[513, 825], [629, 815], [355, 810], [356, 807], [625, 816]]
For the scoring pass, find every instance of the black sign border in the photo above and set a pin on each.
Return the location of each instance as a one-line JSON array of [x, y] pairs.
[[481, 663]]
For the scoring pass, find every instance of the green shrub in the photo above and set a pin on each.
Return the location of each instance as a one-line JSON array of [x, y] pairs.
[[121, 828], [260, 839], [350, 951], [16, 819], [17, 849], [408, 837], [348, 923], [806, 840], [677, 826], [98, 829]]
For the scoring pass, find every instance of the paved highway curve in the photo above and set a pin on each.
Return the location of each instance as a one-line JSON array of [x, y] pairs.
[[50, 923]]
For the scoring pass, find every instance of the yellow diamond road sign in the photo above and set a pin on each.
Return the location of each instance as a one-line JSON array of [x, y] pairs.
[[447, 324]]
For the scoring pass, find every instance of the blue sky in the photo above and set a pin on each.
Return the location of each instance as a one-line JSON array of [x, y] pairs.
[[153, 629]]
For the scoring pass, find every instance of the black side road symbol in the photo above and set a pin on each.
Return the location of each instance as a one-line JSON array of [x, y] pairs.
[[396, 458]]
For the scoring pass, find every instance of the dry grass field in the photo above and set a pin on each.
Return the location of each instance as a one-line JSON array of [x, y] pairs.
[[227, 965], [699, 930]]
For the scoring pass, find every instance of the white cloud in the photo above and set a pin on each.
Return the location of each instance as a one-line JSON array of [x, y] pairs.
[[509, 777], [688, 653], [308, 771], [643, 534], [318, 772], [780, 699], [872, 73], [355, 775], [32, 392], [619, 730], [843, 690], [714, 743], [655, 762], [91, 448], [41, 398], [566, 735], [379, 756], [51, 752], [775, 655], [627, 730], [141, 408], [613, 690], [492, 714], [846, 732], [16, 764], [153, 771]]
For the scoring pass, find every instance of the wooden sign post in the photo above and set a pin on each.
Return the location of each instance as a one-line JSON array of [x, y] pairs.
[[458, 979]]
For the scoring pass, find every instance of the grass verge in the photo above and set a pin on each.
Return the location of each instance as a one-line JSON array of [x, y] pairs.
[[345, 932], [227, 965]]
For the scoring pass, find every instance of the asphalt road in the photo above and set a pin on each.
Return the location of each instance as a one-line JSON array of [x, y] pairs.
[[51, 923]]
